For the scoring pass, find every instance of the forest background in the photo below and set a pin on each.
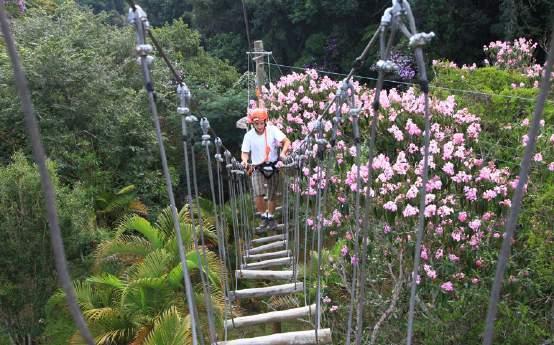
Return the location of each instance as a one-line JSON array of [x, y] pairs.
[[92, 110]]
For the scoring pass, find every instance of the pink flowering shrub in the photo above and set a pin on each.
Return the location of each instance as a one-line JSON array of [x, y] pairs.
[[516, 55], [466, 195]]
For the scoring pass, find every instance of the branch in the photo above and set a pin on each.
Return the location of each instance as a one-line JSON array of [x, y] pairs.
[[394, 299]]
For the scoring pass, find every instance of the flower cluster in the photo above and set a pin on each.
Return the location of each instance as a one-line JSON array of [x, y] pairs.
[[465, 194], [516, 55]]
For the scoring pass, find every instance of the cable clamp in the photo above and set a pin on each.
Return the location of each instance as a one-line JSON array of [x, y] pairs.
[[143, 49], [149, 59], [191, 119], [354, 112], [386, 66], [218, 144], [135, 13], [386, 18], [321, 141], [420, 39], [183, 110]]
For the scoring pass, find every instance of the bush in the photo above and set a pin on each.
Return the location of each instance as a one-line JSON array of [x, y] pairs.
[[28, 278]]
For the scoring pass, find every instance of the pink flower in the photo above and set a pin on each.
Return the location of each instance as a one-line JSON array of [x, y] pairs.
[[412, 128], [430, 210], [429, 271], [457, 235], [336, 217], [478, 263], [310, 222], [348, 236], [326, 299], [525, 140], [424, 255], [462, 216], [538, 157], [352, 151], [475, 224], [458, 138], [333, 309], [448, 168], [453, 258], [551, 166], [447, 287], [390, 206], [344, 251], [354, 260], [439, 253], [410, 211], [475, 280], [470, 193]]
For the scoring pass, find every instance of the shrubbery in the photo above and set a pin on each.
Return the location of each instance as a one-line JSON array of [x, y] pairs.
[[477, 143]]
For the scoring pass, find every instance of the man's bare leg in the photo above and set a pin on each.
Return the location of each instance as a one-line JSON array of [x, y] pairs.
[[260, 204], [271, 206]]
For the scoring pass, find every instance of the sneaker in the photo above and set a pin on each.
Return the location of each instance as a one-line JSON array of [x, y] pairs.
[[271, 223], [263, 224]]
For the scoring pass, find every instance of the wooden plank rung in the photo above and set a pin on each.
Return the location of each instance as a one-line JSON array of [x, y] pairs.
[[289, 338], [268, 239], [266, 256], [267, 263], [273, 290], [274, 316], [261, 274], [266, 247]]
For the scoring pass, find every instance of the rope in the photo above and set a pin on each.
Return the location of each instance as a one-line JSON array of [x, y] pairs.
[[203, 275], [139, 19], [518, 197], [46, 183], [423, 190]]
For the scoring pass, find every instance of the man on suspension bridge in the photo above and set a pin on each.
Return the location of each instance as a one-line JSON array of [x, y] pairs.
[[261, 145]]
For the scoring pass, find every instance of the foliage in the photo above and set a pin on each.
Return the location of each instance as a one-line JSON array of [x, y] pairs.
[[111, 206], [26, 278], [468, 195], [89, 98], [137, 292]]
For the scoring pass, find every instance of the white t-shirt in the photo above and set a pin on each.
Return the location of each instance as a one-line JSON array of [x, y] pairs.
[[255, 144]]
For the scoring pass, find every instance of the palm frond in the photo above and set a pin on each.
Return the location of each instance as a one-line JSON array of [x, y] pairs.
[[142, 226], [212, 268], [141, 335], [123, 246], [138, 207], [169, 329], [283, 302], [116, 336], [100, 313], [107, 279], [154, 265]]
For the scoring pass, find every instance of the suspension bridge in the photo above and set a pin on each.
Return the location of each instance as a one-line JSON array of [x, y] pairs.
[[278, 260]]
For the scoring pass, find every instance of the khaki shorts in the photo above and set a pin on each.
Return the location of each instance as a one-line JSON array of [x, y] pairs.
[[262, 186]]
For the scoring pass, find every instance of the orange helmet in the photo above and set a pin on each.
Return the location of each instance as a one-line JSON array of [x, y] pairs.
[[257, 113]]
